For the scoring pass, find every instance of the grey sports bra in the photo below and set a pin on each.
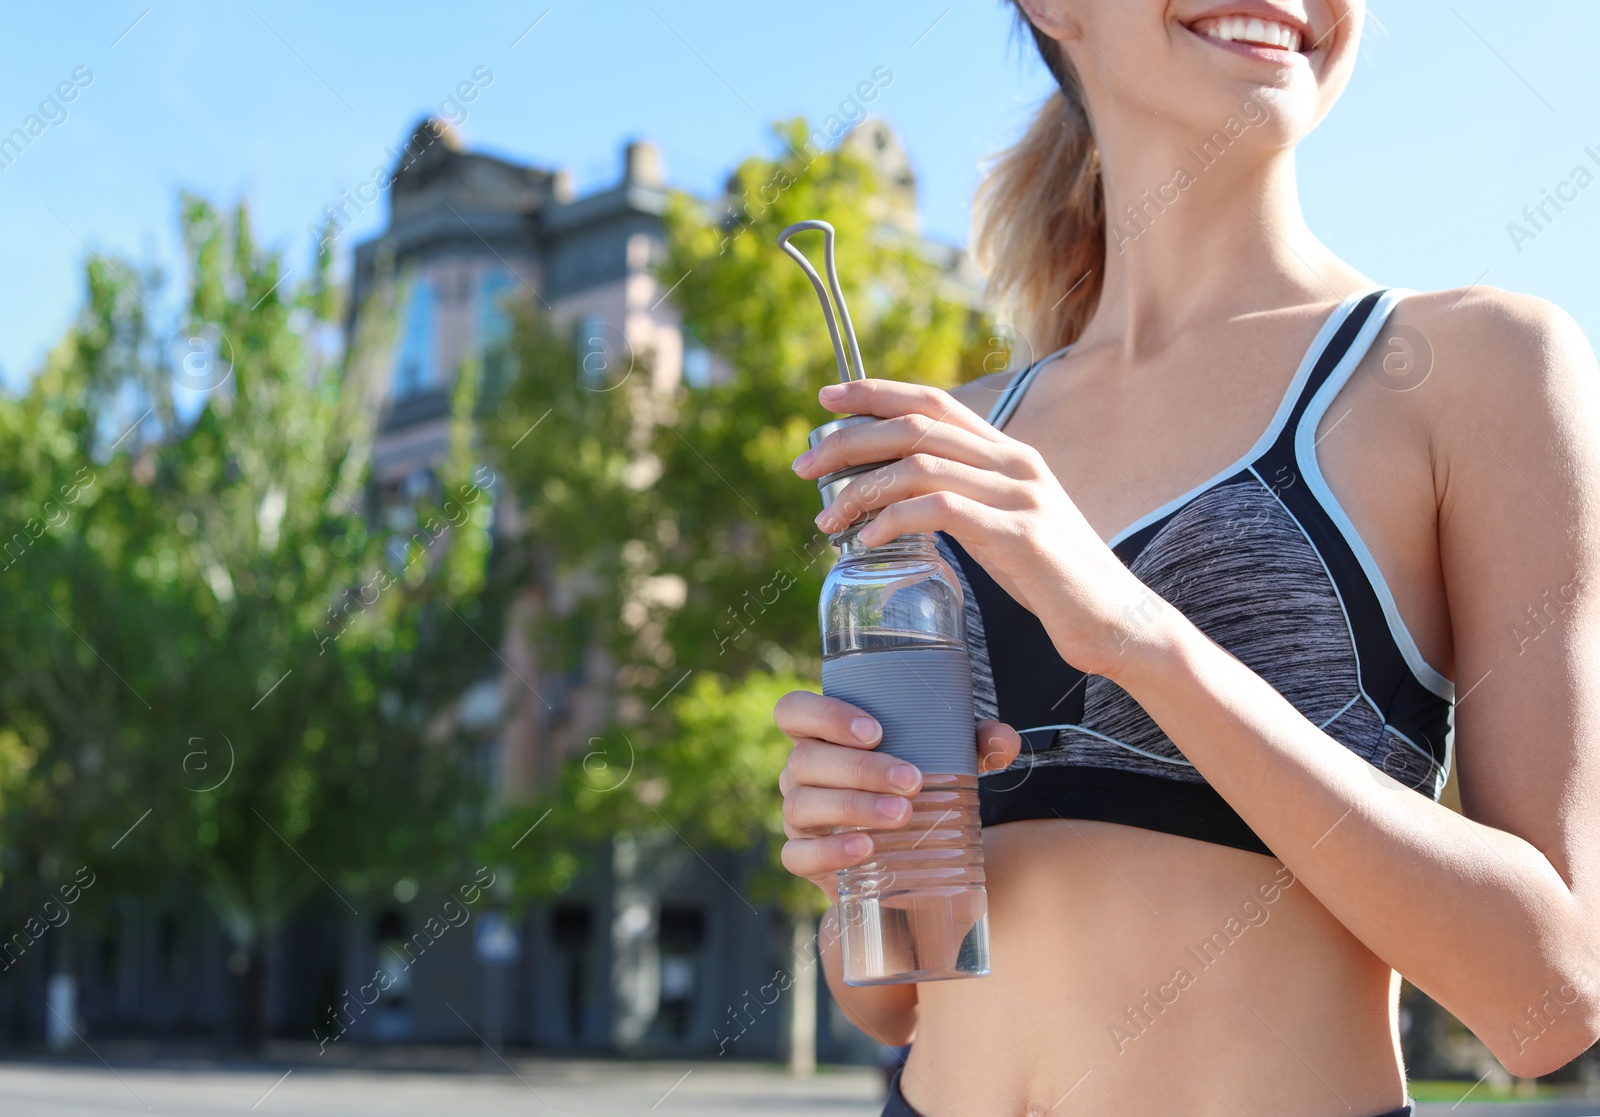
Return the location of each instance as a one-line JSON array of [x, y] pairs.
[[1264, 561]]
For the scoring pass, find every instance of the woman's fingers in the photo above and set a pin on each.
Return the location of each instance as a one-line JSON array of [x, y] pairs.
[[815, 857], [814, 811], [961, 516], [888, 399], [998, 745], [824, 764], [803, 713], [919, 475], [830, 786], [900, 437]]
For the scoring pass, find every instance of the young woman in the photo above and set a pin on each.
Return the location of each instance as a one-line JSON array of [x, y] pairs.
[[1253, 554]]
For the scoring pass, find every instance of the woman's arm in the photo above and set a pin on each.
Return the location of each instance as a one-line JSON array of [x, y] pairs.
[[887, 1013], [1497, 914]]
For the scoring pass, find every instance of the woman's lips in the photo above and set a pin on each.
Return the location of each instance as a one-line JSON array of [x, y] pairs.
[[1255, 31], [1267, 40]]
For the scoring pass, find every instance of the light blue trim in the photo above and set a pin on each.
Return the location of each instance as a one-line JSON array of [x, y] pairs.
[[1110, 741], [1355, 652], [1412, 745], [1355, 648], [1346, 707], [1439, 774], [1449, 747], [1305, 452], [1007, 403], [1274, 429]]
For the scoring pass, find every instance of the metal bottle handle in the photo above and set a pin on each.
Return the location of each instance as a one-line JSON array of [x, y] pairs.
[[851, 369]]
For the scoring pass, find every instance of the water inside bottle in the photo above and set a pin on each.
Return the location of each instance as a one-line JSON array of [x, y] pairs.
[[917, 909], [879, 639]]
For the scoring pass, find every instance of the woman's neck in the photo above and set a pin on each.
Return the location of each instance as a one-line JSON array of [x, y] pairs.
[[1199, 230]]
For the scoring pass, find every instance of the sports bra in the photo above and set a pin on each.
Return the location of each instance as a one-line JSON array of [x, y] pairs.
[[1264, 561]]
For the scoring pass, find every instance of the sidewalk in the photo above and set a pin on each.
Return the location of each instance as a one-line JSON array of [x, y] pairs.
[[1552, 1108], [593, 1088], [398, 1082]]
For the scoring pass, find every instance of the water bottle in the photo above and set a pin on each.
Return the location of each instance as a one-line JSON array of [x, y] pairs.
[[893, 643]]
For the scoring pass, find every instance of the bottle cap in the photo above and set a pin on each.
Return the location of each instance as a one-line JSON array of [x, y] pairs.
[[832, 484]]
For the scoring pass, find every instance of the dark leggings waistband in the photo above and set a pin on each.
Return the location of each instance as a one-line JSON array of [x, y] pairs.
[[897, 1106]]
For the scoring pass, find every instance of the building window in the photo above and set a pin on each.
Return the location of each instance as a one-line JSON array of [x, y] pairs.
[[572, 928], [169, 944], [109, 949], [494, 310], [393, 1017], [492, 327], [680, 934], [416, 364], [593, 353]]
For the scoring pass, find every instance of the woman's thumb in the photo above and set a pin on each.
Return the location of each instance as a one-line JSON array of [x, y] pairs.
[[998, 745]]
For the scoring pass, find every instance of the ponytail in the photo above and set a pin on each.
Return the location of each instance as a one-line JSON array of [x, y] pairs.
[[1039, 223]]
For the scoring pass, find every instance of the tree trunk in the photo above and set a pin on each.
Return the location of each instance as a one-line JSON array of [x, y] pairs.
[[805, 962], [256, 996], [247, 967], [1425, 1041]]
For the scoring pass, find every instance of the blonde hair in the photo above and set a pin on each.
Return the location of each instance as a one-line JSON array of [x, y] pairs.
[[1039, 222]]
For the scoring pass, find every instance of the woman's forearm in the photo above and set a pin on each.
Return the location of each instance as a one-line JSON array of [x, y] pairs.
[[1475, 916], [887, 1013]]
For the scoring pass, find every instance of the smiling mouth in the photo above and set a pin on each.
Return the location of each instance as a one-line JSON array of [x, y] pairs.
[[1250, 31]]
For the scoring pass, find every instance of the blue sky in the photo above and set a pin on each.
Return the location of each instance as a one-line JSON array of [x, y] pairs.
[[1459, 116]]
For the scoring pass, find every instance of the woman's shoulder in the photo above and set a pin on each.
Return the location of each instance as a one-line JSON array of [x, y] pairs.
[[1489, 346], [1508, 388], [980, 393]]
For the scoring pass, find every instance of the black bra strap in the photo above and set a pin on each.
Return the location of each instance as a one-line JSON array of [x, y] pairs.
[[1011, 395]]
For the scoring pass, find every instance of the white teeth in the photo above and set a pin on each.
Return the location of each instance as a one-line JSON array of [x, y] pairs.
[[1261, 32]]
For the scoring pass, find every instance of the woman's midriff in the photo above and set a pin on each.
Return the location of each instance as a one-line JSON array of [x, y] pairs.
[[1141, 973]]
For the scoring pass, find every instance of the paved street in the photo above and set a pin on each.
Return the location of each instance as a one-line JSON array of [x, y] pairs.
[[562, 1087], [593, 1088]]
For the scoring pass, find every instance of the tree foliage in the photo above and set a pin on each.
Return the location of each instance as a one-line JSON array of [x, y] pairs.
[[219, 666], [671, 519]]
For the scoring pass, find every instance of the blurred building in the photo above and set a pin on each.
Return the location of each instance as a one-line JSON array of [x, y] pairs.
[[469, 236]]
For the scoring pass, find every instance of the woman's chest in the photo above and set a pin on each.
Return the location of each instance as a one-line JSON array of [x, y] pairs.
[[1132, 446]]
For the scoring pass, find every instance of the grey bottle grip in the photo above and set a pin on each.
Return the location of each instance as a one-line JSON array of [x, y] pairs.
[[921, 696]]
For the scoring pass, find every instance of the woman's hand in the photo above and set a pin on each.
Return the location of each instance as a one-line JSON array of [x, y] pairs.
[[834, 778], [995, 496]]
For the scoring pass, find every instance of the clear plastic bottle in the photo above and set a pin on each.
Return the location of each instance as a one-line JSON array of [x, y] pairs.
[[893, 643]]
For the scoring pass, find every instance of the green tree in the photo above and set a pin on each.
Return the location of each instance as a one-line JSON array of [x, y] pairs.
[[213, 643], [673, 518]]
